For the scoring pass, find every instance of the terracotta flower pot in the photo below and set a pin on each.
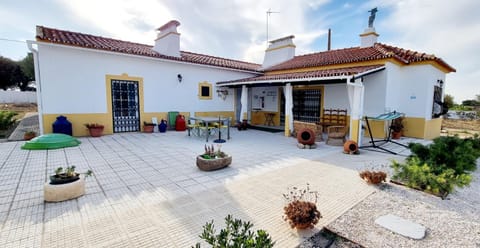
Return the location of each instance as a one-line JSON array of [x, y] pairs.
[[396, 135], [148, 128], [95, 131]]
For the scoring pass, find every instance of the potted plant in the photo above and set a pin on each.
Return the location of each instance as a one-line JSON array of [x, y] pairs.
[[213, 160], [28, 135], [67, 175], [95, 129], [397, 128], [373, 177], [65, 184], [301, 210], [148, 127]]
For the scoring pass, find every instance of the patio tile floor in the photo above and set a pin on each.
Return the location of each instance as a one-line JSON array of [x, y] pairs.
[[147, 192]]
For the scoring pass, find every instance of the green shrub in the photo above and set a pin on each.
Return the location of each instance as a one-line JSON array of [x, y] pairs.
[[235, 235], [440, 166], [448, 153], [422, 176], [6, 119]]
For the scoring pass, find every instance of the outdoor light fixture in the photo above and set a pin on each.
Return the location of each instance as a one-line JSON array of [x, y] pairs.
[[440, 83], [222, 93], [179, 76]]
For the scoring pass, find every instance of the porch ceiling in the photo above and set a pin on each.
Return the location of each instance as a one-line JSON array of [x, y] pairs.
[[309, 77]]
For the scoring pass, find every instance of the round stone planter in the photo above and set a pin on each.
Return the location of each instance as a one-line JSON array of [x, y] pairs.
[[213, 164], [63, 192]]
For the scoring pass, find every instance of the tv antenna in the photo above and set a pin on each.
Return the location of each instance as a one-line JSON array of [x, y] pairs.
[[269, 11]]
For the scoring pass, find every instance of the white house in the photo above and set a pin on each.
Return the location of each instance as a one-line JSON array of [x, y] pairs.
[[121, 84]]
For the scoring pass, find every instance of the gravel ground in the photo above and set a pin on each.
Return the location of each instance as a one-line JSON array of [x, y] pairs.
[[453, 222]]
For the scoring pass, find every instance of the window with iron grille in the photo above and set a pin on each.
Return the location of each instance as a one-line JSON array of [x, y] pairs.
[[307, 104]]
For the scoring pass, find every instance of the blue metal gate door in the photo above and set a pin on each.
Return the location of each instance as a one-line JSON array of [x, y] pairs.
[[125, 106]]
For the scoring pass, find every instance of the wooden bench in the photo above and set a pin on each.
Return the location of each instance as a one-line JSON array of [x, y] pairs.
[[333, 117]]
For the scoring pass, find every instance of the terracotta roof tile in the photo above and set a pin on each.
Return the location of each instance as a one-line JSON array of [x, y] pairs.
[[356, 54], [349, 71], [68, 38]]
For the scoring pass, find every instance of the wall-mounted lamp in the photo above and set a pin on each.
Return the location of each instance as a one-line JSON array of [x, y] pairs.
[[222, 93], [179, 77], [440, 83]]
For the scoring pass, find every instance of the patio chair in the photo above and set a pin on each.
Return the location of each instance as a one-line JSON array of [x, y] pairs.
[[336, 133], [203, 129], [193, 127]]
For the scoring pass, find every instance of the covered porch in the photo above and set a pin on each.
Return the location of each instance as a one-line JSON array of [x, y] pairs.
[[274, 101]]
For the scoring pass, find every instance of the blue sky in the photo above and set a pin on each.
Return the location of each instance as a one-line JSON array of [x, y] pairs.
[[237, 29]]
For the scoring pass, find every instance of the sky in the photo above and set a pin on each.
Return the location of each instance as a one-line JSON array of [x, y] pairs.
[[237, 29]]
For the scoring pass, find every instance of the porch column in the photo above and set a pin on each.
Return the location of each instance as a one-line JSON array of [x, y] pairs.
[[355, 97], [244, 102], [287, 91]]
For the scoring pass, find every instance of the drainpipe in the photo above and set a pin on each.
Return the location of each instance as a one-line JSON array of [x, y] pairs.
[[36, 65]]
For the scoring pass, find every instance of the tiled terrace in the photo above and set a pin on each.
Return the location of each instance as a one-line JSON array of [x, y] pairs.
[[147, 191]]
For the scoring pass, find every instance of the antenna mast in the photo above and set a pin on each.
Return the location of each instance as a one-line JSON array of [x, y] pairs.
[[269, 11]]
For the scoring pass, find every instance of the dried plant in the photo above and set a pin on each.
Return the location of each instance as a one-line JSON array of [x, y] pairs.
[[374, 173], [301, 209]]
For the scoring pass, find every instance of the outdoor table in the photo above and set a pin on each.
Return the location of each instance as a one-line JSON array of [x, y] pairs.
[[208, 120]]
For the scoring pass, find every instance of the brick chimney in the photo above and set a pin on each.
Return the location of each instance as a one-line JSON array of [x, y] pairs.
[[279, 50], [168, 39], [368, 38]]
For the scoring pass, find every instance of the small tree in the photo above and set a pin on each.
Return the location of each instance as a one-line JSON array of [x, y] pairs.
[[448, 100]]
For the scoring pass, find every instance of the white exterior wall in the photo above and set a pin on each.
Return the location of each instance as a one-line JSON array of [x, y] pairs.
[[374, 102], [336, 97], [73, 81], [270, 98], [11, 96], [410, 89]]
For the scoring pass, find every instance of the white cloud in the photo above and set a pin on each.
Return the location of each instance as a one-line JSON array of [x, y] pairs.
[[448, 29]]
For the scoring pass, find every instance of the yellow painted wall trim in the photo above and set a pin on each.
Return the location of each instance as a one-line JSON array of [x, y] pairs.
[[163, 35], [200, 86], [414, 127], [337, 66], [78, 121], [369, 33], [280, 47], [354, 130], [434, 64], [108, 87]]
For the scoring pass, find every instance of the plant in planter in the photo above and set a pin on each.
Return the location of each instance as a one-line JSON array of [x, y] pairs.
[[148, 127], [67, 175], [95, 129], [397, 128], [66, 184], [374, 175], [237, 233], [301, 210], [29, 135], [213, 160]]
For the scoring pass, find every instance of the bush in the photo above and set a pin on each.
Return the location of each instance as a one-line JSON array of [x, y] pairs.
[[6, 119], [422, 176], [448, 152], [440, 166], [236, 234]]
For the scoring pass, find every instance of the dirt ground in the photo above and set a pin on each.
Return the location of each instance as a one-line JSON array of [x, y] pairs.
[[21, 109], [462, 128]]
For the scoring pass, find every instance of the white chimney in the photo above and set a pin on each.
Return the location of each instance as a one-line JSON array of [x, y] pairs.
[[168, 39], [368, 38], [279, 50]]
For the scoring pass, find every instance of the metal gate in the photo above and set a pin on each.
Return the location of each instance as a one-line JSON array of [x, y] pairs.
[[307, 105], [125, 106]]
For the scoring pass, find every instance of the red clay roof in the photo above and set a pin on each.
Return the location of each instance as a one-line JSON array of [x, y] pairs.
[[349, 71], [357, 54], [68, 38]]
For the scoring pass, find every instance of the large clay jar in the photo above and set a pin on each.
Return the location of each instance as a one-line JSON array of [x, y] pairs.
[[306, 136], [350, 147]]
